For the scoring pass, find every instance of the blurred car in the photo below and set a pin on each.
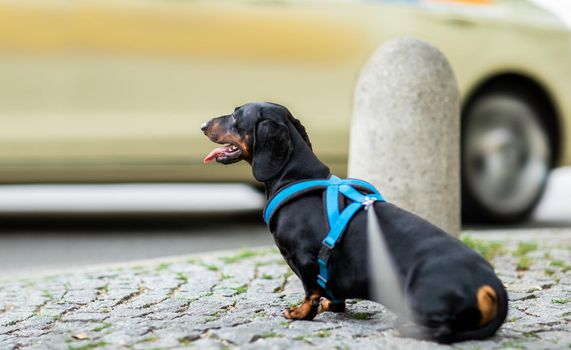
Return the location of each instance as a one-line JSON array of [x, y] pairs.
[[112, 91]]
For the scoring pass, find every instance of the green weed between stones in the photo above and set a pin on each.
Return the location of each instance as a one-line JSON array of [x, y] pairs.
[[267, 276], [242, 289], [39, 308], [489, 250], [214, 316], [103, 290], [523, 263], [150, 339], [360, 316], [271, 335], [88, 346], [549, 272], [559, 263], [524, 247], [512, 345], [560, 300], [270, 262], [209, 266], [163, 266], [323, 334], [303, 338], [184, 342], [206, 294], [101, 327], [224, 276], [181, 276], [243, 255]]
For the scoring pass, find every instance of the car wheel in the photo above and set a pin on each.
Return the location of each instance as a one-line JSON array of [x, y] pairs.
[[506, 156]]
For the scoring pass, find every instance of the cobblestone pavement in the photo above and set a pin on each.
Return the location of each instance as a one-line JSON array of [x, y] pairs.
[[225, 300]]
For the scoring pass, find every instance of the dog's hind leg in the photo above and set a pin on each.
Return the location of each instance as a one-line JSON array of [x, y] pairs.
[[328, 305], [410, 329], [438, 310]]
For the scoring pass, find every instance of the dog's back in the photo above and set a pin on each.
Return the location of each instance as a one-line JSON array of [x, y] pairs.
[[452, 292]]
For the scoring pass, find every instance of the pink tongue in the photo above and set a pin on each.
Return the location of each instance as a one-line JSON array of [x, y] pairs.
[[213, 154]]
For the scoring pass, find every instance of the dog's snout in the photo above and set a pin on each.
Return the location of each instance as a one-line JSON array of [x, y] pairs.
[[204, 127]]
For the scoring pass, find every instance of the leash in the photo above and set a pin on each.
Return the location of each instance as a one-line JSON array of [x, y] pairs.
[[361, 193]]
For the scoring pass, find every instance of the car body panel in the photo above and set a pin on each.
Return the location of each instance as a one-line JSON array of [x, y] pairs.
[[116, 91]]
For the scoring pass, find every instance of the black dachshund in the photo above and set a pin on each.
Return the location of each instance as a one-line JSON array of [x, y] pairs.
[[451, 292]]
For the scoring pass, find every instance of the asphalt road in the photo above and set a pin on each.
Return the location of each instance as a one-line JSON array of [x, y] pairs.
[[127, 222]]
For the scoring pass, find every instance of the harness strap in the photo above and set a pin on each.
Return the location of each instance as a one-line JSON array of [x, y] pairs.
[[329, 243], [331, 203], [337, 229], [288, 192], [337, 221], [299, 188]]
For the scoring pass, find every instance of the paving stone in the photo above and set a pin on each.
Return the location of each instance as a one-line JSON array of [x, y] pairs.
[[84, 317], [237, 299]]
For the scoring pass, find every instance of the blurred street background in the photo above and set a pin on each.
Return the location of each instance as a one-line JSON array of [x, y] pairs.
[[101, 103], [83, 226]]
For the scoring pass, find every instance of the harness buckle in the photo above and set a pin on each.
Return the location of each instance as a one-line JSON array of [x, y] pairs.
[[368, 202]]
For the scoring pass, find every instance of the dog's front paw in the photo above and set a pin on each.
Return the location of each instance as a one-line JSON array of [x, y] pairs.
[[297, 313], [306, 311], [289, 312]]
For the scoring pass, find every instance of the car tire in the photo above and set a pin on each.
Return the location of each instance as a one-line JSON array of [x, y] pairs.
[[506, 155]]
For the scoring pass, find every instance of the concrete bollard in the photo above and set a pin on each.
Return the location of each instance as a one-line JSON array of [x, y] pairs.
[[405, 136]]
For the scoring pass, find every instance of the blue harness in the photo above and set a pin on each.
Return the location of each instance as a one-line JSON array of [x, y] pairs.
[[350, 188]]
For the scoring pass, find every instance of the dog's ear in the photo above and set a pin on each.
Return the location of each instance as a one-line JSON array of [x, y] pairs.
[[272, 149], [300, 129]]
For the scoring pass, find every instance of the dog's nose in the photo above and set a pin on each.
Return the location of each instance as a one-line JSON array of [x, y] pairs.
[[203, 127]]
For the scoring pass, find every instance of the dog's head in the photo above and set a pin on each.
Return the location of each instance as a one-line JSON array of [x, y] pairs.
[[259, 133]]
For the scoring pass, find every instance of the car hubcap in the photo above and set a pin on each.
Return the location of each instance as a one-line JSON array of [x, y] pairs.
[[506, 154]]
